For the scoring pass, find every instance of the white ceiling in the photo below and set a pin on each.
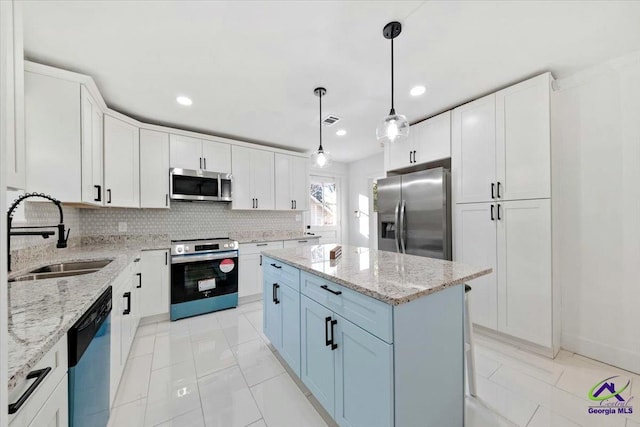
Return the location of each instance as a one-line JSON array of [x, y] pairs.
[[251, 67]]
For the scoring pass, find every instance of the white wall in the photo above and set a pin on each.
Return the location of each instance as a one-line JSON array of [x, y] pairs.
[[596, 210], [362, 173]]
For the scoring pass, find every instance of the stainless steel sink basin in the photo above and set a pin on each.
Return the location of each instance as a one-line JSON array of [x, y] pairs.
[[64, 269], [72, 266]]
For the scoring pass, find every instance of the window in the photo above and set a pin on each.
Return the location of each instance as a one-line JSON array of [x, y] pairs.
[[323, 206]]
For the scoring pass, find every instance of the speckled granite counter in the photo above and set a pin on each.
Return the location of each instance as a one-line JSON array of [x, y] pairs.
[[42, 311], [269, 236], [386, 276]]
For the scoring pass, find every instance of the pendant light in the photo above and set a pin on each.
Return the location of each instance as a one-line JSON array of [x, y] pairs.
[[395, 126], [320, 158]]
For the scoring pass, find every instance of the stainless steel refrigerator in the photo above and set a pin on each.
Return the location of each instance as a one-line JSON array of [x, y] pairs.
[[414, 213]]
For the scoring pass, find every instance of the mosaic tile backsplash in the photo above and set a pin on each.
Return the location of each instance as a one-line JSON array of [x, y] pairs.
[[44, 213], [186, 220]]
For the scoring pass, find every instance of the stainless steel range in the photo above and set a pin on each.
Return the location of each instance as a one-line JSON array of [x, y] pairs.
[[204, 276]]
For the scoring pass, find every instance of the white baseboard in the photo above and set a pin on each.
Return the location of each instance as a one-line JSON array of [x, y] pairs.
[[516, 342], [621, 358]]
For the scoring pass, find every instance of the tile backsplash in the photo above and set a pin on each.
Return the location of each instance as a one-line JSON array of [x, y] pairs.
[[45, 213], [186, 220]]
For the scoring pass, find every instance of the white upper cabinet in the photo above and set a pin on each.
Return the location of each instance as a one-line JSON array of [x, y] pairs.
[[53, 137], [473, 154], [154, 169], [92, 149], [292, 182], [194, 153], [253, 178], [523, 137], [121, 163], [428, 141]]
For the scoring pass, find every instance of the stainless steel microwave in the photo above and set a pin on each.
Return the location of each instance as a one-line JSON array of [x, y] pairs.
[[190, 184]]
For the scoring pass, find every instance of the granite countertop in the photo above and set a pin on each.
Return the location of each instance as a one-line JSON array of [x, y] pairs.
[[43, 311], [386, 276], [270, 236]]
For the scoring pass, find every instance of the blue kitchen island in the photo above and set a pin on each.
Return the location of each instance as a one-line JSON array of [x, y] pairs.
[[376, 336]]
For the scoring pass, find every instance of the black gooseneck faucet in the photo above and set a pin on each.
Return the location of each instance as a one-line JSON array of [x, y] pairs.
[[62, 238]]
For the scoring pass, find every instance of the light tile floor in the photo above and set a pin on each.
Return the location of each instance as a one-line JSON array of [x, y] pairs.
[[217, 370]]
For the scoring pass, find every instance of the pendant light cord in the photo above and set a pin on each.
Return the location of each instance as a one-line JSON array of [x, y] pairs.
[[393, 110], [320, 121]]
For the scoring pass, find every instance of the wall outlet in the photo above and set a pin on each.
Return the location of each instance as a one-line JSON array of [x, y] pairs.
[[298, 218], [122, 227]]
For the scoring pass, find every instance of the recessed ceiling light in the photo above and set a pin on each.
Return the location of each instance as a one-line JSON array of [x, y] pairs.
[[183, 100], [417, 90], [341, 132]]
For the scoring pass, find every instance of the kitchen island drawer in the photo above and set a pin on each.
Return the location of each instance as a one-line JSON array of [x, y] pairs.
[[284, 273], [370, 314]]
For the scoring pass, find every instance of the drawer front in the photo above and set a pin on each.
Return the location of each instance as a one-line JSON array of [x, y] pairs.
[[301, 242], [56, 359], [256, 248], [370, 314], [283, 273]]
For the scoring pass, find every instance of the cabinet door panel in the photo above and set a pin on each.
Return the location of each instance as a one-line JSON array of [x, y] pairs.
[[432, 138], [300, 183], [524, 139], [241, 168], [154, 169], [317, 368], [283, 185], [186, 152], [249, 275], [364, 378], [473, 154], [122, 163], [155, 283], [272, 312], [216, 156], [263, 179], [55, 411], [290, 349], [475, 244], [92, 149], [524, 270], [399, 153]]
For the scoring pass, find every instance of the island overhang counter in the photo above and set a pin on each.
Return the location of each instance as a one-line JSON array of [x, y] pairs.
[[376, 336]]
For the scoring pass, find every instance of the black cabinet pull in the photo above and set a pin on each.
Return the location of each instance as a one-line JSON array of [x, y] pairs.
[[499, 211], [295, 204], [410, 161], [414, 157], [262, 244], [166, 200], [166, 256], [99, 188], [260, 259], [109, 195], [326, 288], [127, 310], [39, 375], [492, 218], [274, 292], [276, 266], [200, 162], [329, 323], [139, 280], [499, 190], [205, 163], [257, 202], [492, 190]]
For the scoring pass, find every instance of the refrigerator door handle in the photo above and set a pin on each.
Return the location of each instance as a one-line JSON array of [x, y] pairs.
[[397, 218], [401, 232]]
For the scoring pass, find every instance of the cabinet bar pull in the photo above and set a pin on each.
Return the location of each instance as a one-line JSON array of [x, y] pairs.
[[326, 288], [499, 191], [492, 190], [99, 198], [274, 291], [295, 204], [327, 321], [166, 256], [200, 162], [127, 310], [139, 280], [499, 211], [256, 203], [492, 218], [39, 375], [276, 266], [260, 259], [410, 161], [302, 241], [166, 200], [262, 244], [109, 194], [205, 163], [414, 156], [333, 343]]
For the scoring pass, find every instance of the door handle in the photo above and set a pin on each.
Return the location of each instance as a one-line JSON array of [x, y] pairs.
[[109, 194], [492, 190], [256, 203], [499, 189], [260, 259], [39, 375], [200, 162], [262, 244], [326, 288], [253, 203], [295, 204], [139, 280], [205, 163], [275, 293], [99, 188], [410, 161], [276, 266], [414, 157], [329, 324], [292, 204], [492, 218], [397, 224], [127, 310], [499, 218], [166, 200], [166, 256], [402, 231]]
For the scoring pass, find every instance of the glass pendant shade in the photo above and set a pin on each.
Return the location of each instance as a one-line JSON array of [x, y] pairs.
[[394, 128], [321, 159]]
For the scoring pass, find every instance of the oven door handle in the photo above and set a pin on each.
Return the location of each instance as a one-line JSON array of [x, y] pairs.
[[185, 259]]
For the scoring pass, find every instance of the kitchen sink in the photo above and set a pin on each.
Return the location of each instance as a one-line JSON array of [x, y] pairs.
[[72, 266], [64, 269]]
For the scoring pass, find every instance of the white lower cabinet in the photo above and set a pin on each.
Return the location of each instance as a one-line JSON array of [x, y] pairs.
[[122, 329], [514, 239], [250, 266], [302, 242], [155, 277], [48, 404]]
